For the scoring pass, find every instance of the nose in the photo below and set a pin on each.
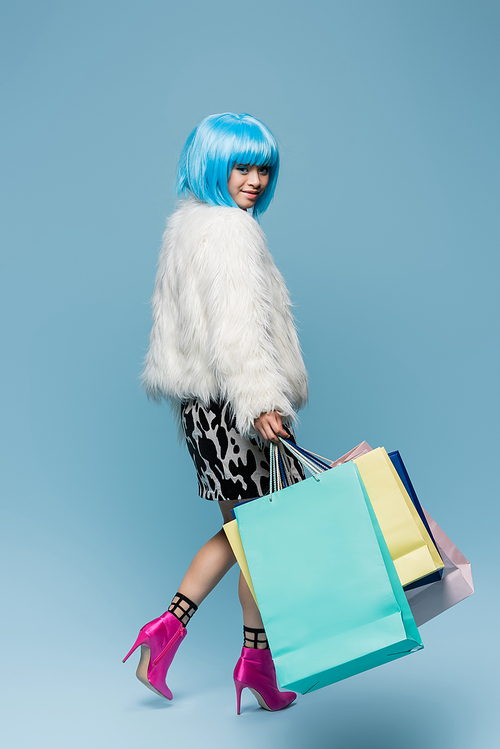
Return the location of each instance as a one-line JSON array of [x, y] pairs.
[[254, 176]]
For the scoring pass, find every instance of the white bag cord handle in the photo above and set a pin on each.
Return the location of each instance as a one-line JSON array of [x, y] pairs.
[[277, 472], [283, 466], [311, 467], [273, 484], [325, 460], [280, 450], [287, 468], [275, 479], [318, 460]]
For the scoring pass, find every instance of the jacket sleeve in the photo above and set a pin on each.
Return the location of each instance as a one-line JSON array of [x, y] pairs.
[[238, 301]]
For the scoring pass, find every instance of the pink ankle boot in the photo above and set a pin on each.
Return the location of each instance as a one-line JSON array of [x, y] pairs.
[[159, 642], [255, 670]]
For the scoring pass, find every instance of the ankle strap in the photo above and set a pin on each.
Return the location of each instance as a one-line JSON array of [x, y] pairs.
[[255, 638], [182, 608]]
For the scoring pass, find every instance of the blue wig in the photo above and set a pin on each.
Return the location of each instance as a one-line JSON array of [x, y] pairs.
[[218, 143]]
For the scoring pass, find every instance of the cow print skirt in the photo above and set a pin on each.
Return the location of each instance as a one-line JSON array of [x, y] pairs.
[[229, 466]]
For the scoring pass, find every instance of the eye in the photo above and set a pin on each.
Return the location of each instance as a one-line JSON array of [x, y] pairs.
[[264, 170], [241, 168]]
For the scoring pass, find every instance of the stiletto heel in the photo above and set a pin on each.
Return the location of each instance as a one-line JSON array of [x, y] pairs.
[[159, 641], [255, 670], [239, 688], [141, 640]]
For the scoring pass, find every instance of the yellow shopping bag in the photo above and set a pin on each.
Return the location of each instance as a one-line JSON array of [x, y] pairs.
[[233, 536], [410, 546]]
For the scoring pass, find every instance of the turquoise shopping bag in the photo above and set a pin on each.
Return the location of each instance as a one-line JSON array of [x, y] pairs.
[[326, 586]]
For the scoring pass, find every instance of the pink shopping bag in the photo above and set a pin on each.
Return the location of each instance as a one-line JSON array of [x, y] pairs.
[[455, 585], [356, 452]]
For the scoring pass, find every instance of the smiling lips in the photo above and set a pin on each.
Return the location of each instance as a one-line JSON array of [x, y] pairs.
[[251, 194]]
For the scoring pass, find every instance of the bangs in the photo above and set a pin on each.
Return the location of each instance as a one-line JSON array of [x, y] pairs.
[[249, 145]]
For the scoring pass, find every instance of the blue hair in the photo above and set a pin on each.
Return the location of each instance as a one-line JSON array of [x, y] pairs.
[[218, 143]]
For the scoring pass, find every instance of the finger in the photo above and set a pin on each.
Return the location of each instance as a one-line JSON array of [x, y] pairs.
[[264, 430], [269, 432], [281, 431], [272, 435], [279, 428], [261, 430]]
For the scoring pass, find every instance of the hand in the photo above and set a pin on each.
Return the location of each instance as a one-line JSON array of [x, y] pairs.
[[270, 426]]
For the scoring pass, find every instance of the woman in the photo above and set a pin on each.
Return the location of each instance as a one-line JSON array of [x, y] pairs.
[[224, 352]]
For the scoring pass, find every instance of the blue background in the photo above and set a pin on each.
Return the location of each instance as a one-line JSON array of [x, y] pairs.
[[385, 225]]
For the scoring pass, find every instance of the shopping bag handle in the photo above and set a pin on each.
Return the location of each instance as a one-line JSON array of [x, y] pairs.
[[310, 462], [274, 482], [317, 459], [279, 471]]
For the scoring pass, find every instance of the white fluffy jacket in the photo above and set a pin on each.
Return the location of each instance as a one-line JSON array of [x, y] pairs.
[[222, 326]]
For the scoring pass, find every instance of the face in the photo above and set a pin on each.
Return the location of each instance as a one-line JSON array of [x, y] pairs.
[[246, 182]]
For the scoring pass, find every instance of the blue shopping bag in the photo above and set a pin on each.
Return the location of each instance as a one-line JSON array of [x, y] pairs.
[[326, 586]]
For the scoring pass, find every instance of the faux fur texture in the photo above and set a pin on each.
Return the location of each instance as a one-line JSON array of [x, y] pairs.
[[222, 325]]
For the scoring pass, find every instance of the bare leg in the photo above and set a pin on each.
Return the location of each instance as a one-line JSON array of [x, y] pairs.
[[208, 568], [210, 565], [251, 614]]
